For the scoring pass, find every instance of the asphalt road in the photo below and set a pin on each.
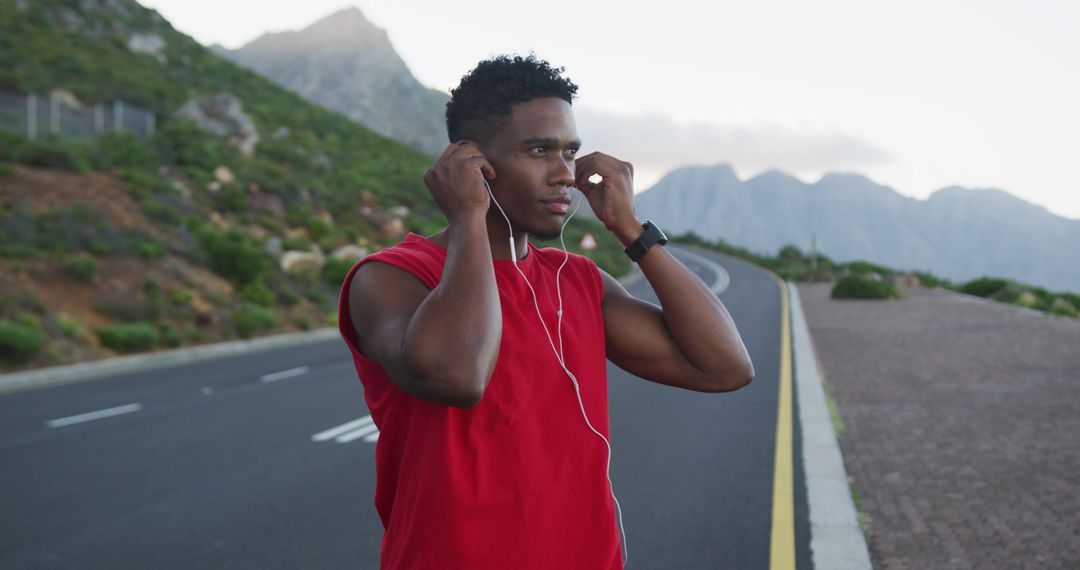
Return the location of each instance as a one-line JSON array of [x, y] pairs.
[[235, 463]]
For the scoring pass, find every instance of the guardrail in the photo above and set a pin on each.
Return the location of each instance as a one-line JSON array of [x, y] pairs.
[[62, 115]]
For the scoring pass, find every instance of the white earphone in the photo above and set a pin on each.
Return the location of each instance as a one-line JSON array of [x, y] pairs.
[[559, 354]]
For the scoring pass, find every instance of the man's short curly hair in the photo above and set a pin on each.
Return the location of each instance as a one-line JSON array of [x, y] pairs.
[[482, 101]]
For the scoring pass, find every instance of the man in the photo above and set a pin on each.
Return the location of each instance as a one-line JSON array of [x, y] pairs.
[[483, 358]]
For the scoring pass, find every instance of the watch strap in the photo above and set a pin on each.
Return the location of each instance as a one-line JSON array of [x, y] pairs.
[[652, 236]]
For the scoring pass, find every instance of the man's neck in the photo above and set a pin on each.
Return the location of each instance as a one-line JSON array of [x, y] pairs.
[[498, 238]]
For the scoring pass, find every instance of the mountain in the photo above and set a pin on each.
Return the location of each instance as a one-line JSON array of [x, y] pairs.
[[956, 233], [343, 62]]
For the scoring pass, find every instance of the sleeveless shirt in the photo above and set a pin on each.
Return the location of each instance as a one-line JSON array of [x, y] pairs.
[[518, 481]]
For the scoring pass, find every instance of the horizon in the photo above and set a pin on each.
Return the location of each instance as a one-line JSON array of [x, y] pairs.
[[918, 107]]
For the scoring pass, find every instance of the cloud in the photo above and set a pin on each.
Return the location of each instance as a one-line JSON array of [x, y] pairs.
[[660, 143]]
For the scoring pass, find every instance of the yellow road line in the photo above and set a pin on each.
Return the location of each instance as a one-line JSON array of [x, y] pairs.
[[782, 542]]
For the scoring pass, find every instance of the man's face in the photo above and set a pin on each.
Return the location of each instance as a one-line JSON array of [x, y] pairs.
[[533, 157]]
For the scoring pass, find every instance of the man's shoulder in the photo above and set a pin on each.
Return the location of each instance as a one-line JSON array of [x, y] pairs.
[[412, 258]]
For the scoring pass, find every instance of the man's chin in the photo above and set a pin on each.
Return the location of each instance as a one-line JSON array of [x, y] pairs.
[[546, 236]]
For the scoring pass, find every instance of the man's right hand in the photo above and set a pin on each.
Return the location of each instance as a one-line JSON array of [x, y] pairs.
[[456, 180]]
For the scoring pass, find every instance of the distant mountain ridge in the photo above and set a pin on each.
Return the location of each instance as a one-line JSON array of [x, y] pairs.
[[957, 233], [345, 63]]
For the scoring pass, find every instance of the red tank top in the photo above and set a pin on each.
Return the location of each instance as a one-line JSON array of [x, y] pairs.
[[519, 480]]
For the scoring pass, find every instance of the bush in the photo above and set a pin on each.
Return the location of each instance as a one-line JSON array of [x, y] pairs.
[[984, 286], [55, 154], [170, 336], [864, 267], [1062, 306], [334, 271], [854, 287], [82, 268], [150, 250], [19, 343], [250, 319], [128, 337], [179, 297], [122, 149], [69, 327], [233, 255], [930, 280], [257, 293], [6, 169]]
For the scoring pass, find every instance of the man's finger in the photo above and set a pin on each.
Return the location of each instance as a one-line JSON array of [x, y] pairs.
[[447, 153]]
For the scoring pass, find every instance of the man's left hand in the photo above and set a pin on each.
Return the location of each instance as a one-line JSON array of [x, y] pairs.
[[611, 199]]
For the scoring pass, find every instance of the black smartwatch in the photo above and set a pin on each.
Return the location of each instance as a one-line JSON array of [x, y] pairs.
[[651, 237]]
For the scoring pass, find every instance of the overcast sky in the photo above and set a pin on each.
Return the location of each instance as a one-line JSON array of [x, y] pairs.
[[917, 95]]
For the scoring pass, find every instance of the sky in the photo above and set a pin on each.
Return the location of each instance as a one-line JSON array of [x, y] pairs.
[[916, 95]]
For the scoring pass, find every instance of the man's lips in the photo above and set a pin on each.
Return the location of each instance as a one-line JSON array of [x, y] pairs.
[[558, 204]]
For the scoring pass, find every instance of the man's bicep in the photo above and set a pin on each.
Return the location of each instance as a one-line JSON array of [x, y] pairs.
[[638, 339], [382, 302]]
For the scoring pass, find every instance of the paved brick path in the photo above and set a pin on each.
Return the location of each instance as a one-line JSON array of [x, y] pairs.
[[962, 427]]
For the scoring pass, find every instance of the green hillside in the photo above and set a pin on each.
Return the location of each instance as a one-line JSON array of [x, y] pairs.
[[123, 244]]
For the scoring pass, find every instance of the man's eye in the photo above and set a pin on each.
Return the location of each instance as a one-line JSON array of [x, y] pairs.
[[572, 151], [538, 150]]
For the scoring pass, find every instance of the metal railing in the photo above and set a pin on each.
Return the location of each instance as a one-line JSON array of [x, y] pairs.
[[62, 115]]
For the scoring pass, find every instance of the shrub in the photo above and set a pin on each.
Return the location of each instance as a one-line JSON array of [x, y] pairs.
[[334, 270], [19, 343], [69, 327], [250, 319], [55, 154], [122, 149], [257, 293], [302, 322], [864, 267], [1062, 306], [288, 297], [179, 297], [930, 280], [170, 336], [150, 249], [319, 228], [233, 255], [854, 287], [984, 286], [6, 169], [128, 337], [82, 268]]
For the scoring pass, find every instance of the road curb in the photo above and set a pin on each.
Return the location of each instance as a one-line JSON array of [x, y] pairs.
[[71, 373], [836, 540]]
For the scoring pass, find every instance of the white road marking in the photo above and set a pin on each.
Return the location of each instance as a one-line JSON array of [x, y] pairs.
[[372, 438], [721, 279], [364, 425], [290, 373], [90, 416], [357, 434]]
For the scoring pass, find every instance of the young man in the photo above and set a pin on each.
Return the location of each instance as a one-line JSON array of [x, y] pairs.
[[483, 359]]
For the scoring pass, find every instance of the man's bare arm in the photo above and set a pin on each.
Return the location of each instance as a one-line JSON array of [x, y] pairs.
[[691, 342], [438, 345]]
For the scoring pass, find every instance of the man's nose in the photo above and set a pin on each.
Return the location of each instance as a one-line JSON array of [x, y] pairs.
[[563, 174]]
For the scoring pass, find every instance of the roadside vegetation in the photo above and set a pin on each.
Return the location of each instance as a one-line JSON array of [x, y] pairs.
[[865, 280]]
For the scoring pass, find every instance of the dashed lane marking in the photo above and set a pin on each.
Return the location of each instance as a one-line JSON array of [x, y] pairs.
[[290, 373], [96, 415], [350, 431]]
